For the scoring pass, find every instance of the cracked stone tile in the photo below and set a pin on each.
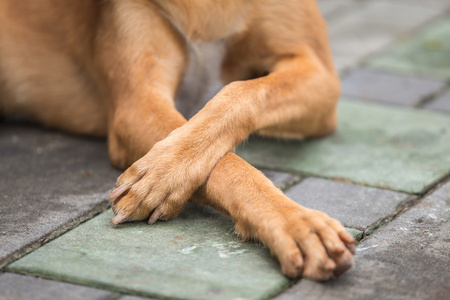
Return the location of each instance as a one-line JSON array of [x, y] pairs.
[[13, 286], [371, 85], [407, 259], [49, 180], [354, 205]]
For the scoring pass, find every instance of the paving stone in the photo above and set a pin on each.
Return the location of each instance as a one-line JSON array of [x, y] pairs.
[[281, 180], [343, 63], [194, 256], [424, 54], [329, 7], [369, 26], [408, 259], [401, 149], [441, 103], [435, 4], [354, 205], [388, 88], [13, 286], [135, 298], [48, 180]]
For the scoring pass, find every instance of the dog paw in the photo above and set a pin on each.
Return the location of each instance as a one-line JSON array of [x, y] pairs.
[[307, 243], [157, 186]]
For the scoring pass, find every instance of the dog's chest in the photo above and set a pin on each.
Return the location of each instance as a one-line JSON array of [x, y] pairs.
[[202, 78]]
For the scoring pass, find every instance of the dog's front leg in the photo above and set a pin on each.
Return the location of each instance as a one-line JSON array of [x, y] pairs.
[[299, 93], [306, 242]]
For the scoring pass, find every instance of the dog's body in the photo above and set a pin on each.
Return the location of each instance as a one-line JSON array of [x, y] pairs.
[[113, 68]]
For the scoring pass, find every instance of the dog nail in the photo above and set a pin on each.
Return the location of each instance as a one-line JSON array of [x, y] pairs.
[[120, 218], [154, 217], [117, 192]]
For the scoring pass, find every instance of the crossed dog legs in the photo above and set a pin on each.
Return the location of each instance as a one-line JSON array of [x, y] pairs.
[[174, 160]]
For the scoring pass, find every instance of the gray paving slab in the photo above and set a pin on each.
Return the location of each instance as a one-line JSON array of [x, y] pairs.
[[19, 287], [281, 180], [441, 103], [196, 255], [48, 181], [135, 298], [345, 62], [424, 53], [355, 206], [402, 149], [330, 7], [436, 4], [408, 259], [369, 26], [388, 88]]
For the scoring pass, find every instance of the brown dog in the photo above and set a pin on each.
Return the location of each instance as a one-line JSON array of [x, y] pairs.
[[113, 68]]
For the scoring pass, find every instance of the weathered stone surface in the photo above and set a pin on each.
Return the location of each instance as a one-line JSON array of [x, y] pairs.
[[435, 4], [194, 256], [330, 7], [388, 88], [441, 103], [135, 298], [408, 259], [400, 149], [369, 26], [425, 54], [281, 180], [344, 62], [18, 287], [48, 180], [354, 205]]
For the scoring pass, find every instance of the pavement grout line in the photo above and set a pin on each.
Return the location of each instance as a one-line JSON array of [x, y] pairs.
[[288, 185], [404, 207], [41, 241], [92, 284], [115, 297], [401, 208], [433, 96]]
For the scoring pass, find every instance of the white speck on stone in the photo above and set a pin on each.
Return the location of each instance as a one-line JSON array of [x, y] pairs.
[[363, 249], [229, 249], [433, 216], [403, 228], [188, 250]]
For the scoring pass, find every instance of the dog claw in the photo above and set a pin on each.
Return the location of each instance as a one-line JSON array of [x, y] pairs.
[[154, 217], [120, 218], [117, 192]]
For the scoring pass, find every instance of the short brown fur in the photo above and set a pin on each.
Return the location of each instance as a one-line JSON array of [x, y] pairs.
[[113, 68]]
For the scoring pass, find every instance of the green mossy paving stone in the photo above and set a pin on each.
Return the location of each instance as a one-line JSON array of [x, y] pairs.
[[425, 54], [397, 148], [194, 256]]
